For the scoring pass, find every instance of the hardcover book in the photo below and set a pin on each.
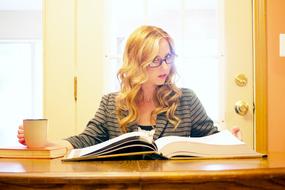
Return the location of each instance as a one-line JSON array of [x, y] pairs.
[[219, 145], [25, 152]]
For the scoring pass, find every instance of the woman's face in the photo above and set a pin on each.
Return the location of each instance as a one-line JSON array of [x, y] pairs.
[[158, 75]]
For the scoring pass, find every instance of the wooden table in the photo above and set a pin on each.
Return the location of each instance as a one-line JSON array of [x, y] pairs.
[[257, 173]]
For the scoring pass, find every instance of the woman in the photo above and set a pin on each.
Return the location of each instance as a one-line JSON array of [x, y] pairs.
[[148, 99]]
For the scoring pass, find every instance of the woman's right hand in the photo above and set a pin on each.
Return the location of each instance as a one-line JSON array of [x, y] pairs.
[[20, 136], [21, 139]]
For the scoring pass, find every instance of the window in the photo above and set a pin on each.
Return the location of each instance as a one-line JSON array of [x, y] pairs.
[[20, 85], [194, 25], [20, 65]]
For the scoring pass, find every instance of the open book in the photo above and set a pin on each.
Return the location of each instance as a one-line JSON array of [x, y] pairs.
[[219, 145]]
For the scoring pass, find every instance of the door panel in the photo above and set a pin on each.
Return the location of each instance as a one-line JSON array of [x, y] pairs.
[[238, 29], [73, 48], [59, 65]]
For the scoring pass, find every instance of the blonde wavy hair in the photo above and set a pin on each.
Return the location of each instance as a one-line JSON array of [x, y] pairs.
[[141, 48]]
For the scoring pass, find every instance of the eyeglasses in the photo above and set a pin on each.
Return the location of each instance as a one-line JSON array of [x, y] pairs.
[[157, 61]]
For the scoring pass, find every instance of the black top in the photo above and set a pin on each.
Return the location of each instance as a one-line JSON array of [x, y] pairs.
[[146, 127]]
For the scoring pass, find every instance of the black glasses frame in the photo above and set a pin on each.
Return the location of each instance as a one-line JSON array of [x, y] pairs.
[[169, 59]]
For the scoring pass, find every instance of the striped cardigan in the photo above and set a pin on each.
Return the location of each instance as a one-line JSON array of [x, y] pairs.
[[104, 126]]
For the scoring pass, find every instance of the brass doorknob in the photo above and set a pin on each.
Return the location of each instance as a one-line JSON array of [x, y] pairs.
[[241, 80], [241, 107]]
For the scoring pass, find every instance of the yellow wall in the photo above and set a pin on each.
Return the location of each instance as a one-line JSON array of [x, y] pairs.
[[276, 76]]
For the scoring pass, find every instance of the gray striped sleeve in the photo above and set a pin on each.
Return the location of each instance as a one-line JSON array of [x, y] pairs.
[[95, 131], [201, 123]]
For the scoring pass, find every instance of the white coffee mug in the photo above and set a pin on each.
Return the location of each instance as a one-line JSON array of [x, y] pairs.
[[35, 132]]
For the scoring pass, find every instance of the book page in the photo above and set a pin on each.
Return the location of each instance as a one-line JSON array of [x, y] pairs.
[[224, 137], [218, 145], [87, 150]]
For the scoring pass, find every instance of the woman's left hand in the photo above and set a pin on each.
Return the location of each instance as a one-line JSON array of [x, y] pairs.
[[237, 132]]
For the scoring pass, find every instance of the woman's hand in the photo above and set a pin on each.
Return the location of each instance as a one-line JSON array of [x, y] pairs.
[[21, 139], [237, 132], [20, 136]]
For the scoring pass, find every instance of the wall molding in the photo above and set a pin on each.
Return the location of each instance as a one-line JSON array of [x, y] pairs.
[[260, 59]]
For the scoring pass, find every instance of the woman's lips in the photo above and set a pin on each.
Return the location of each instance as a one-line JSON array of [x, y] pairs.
[[162, 76]]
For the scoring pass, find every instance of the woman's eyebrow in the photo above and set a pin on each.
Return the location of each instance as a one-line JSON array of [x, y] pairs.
[[169, 53]]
